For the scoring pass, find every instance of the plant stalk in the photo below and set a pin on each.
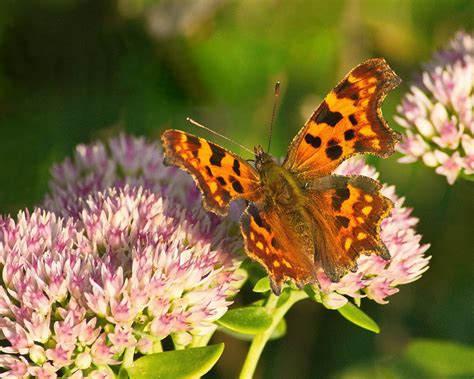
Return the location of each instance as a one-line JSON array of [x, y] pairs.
[[260, 339]]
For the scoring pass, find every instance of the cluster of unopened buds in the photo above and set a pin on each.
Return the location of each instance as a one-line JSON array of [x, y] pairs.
[[437, 112]]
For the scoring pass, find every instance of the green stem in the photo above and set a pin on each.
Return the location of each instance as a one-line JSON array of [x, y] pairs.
[[199, 341], [260, 339], [157, 346], [128, 357]]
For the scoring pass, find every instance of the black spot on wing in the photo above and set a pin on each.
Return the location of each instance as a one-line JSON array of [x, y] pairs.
[[334, 152], [327, 116], [253, 211], [312, 140], [344, 221], [193, 141], [209, 171], [237, 187], [353, 120], [275, 243], [342, 88], [341, 195], [349, 134], [221, 180], [236, 167], [332, 142], [217, 155]]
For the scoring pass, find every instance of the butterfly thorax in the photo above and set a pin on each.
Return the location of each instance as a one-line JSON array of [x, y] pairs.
[[280, 186]]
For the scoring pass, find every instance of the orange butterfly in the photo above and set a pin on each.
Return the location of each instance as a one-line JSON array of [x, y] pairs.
[[300, 217]]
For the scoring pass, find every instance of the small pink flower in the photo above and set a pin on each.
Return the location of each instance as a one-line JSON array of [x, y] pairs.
[[18, 338], [122, 312], [145, 345], [450, 166], [379, 289], [45, 371], [101, 374], [88, 333], [413, 146], [60, 356], [15, 368], [122, 338], [102, 353]]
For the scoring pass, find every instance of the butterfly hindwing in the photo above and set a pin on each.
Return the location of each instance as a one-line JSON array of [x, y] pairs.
[[221, 175], [350, 225], [349, 121], [281, 243]]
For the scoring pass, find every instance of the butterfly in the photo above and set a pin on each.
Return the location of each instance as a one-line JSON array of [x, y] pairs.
[[300, 216]]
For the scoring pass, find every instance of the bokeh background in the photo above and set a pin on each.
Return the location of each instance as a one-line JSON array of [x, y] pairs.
[[74, 71]]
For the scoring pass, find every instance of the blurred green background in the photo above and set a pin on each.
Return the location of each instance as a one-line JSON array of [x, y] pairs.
[[74, 71]]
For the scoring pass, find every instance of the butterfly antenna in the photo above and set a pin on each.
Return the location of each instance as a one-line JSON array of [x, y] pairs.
[[190, 120], [277, 93]]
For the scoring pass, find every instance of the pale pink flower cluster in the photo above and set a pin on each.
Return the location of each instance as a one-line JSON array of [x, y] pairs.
[[117, 162], [131, 267], [438, 112], [377, 279]]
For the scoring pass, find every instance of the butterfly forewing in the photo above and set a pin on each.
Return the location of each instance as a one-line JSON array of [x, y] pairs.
[[349, 121], [221, 175], [350, 223]]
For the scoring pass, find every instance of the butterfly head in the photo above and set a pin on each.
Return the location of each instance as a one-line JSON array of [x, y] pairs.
[[262, 159]]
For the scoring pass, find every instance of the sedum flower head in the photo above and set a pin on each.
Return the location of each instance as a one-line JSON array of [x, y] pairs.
[[437, 112], [376, 278], [135, 263], [117, 162]]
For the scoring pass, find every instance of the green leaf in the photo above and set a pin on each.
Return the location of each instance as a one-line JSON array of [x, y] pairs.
[[358, 317], [284, 296], [279, 332], [263, 285], [192, 362], [247, 320], [440, 359], [312, 294]]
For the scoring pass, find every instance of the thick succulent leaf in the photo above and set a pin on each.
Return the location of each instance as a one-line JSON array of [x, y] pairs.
[[279, 332], [178, 364], [358, 317], [263, 285], [247, 320]]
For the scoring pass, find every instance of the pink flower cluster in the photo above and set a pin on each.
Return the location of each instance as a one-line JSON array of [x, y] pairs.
[[120, 161], [130, 268], [376, 278], [438, 112]]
